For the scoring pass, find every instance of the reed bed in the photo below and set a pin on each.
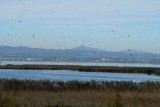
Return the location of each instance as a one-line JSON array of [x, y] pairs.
[[45, 93], [79, 99], [54, 86]]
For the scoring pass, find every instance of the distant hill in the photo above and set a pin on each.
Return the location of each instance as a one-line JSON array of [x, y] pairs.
[[84, 48], [81, 54]]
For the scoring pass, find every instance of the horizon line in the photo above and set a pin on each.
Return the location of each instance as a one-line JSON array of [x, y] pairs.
[[126, 50]]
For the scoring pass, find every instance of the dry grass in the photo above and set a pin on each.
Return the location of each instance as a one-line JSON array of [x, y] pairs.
[[29, 93], [84, 98]]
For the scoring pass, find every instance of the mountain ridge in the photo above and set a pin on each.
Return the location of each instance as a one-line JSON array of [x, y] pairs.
[[80, 53], [81, 47]]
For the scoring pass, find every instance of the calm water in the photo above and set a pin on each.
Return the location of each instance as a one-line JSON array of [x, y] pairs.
[[82, 64], [66, 75]]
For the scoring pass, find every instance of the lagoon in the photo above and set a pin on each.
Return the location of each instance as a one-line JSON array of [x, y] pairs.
[[68, 75]]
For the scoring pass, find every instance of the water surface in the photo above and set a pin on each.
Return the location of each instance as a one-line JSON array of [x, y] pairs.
[[67, 75]]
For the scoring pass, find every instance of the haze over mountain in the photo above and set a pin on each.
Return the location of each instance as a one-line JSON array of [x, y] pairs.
[[83, 48], [81, 54]]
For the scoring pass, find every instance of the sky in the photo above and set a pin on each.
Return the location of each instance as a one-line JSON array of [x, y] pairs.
[[113, 25]]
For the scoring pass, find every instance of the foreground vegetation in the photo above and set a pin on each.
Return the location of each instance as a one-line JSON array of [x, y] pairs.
[[79, 99], [45, 93], [29, 93], [146, 70], [55, 86]]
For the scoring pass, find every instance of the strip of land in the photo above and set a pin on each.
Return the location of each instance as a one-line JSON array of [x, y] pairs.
[[145, 70]]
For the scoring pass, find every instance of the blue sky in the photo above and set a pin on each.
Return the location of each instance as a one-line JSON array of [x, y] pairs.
[[112, 25]]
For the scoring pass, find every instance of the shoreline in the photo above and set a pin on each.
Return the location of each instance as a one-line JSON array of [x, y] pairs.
[[111, 69]]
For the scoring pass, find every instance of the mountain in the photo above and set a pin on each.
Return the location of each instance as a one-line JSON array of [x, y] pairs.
[[133, 51], [80, 54], [84, 48]]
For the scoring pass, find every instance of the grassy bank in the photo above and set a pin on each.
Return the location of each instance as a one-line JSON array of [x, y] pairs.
[[80, 99], [29, 93], [146, 70]]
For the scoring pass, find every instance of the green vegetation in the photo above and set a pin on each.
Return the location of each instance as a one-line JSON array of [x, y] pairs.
[[146, 70]]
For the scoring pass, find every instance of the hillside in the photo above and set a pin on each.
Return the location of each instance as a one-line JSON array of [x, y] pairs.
[[81, 54]]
